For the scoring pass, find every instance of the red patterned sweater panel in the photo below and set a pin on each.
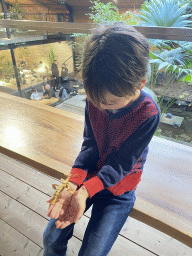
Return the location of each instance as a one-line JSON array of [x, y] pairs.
[[110, 135]]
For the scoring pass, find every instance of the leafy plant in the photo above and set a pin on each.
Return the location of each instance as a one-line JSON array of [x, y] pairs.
[[152, 84], [164, 13], [6, 69], [51, 55], [189, 7], [15, 8], [102, 14], [175, 61], [158, 132], [109, 13]]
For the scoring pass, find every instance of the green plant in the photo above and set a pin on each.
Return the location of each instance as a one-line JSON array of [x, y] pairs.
[[164, 13], [15, 8], [174, 61], [109, 13], [179, 139], [158, 132], [102, 14], [6, 69], [189, 7], [152, 85], [175, 57], [51, 55]]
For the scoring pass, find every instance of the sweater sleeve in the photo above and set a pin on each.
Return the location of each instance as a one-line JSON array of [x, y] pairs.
[[121, 162], [88, 156]]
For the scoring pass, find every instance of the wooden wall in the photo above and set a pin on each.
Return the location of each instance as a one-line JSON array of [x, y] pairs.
[[29, 6], [80, 7]]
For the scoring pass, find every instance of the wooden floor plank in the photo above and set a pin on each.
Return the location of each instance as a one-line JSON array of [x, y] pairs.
[[159, 240], [22, 219], [28, 223], [27, 174], [121, 247], [32, 225], [151, 239], [36, 201], [136, 231], [13, 243], [24, 193]]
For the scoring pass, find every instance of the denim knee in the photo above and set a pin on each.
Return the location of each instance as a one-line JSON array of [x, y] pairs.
[[56, 240]]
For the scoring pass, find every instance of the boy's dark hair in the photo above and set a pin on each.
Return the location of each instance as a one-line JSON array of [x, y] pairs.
[[115, 59]]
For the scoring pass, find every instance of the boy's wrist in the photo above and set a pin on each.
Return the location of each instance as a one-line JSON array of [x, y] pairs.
[[73, 185], [83, 190]]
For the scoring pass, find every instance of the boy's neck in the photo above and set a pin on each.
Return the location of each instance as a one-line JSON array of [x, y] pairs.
[[136, 96]]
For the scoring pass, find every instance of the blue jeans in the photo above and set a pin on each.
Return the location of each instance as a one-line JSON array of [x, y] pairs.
[[109, 213]]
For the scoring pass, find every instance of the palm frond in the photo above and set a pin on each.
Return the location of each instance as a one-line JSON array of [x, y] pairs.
[[165, 13]]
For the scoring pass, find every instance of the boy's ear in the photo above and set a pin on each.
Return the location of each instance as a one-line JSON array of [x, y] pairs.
[[143, 82]]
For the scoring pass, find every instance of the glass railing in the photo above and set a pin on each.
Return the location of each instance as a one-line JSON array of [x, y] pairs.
[[37, 43]]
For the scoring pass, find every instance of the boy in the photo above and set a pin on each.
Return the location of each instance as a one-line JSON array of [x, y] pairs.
[[120, 120]]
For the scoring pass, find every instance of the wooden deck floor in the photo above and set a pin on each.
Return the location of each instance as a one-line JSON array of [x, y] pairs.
[[23, 194]]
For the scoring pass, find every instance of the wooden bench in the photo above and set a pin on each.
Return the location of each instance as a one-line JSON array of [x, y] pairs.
[[49, 140]]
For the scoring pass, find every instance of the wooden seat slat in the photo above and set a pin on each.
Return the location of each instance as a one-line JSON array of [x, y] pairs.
[[49, 139]]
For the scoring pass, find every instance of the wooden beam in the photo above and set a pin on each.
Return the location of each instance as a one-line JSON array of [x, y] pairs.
[[37, 3], [166, 33]]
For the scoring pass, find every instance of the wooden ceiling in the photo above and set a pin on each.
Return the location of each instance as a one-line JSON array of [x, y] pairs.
[[55, 4]]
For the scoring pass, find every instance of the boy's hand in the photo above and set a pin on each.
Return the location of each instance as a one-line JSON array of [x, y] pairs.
[[75, 209], [62, 203]]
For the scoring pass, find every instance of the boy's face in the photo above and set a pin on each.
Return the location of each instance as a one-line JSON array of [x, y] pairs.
[[115, 103]]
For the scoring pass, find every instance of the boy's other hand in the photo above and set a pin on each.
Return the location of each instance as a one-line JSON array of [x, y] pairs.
[[75, 209], [59, 208]]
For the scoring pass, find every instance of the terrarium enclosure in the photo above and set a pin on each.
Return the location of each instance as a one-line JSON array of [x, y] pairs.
[[33, 63]]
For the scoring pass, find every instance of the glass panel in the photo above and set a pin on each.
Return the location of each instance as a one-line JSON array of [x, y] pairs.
[[171, 80], [170, 77], [7, 76]]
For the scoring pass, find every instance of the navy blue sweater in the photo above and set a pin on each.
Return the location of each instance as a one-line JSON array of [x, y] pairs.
[[115, 146]]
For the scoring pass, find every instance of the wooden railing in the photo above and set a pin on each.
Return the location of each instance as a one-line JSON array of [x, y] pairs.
[[49, 139], [45, 27]]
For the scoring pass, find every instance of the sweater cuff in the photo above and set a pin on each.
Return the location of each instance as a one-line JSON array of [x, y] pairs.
[[78, 176], [93, 185]]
